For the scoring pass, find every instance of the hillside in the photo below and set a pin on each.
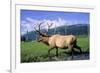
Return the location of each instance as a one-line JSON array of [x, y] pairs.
[[78, 29]]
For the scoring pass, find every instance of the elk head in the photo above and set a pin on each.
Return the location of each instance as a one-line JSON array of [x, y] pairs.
[[43, 37]]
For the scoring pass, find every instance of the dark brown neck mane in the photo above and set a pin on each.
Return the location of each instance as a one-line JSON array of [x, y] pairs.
[[46, 39]]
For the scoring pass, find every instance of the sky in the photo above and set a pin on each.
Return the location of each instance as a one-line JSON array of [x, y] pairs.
[[30, 18]]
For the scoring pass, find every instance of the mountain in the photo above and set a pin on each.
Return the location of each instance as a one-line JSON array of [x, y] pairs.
[[77, 29]]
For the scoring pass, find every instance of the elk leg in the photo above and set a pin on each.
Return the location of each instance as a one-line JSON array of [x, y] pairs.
[[72, 50], [57, 52], [78, 47], [72, 53], [49, 51]]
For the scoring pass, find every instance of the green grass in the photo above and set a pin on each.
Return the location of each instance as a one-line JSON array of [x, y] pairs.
[[36, 52], [84, 43]]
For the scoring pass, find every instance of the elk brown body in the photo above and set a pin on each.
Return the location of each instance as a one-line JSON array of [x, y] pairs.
[[60, 41]]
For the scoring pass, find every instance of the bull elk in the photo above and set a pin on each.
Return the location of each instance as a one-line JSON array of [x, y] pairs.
[[58, 41]]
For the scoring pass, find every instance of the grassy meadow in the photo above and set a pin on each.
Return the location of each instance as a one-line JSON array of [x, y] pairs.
[[34, 51]]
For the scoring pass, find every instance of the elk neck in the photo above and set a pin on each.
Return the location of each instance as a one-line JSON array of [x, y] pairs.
[[46, 40]]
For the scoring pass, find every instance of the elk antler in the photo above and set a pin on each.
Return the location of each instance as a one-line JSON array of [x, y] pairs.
[[49, 25], [40, 33]]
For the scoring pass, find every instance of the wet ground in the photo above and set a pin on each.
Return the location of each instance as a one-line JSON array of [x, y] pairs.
[[77, 56]]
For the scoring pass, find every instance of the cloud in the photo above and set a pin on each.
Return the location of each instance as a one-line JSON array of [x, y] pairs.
[[29, 24], [26, 26]]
